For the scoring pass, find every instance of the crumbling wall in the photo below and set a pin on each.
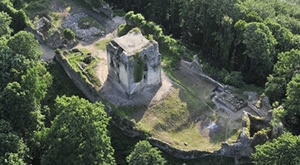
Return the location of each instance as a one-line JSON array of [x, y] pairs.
[[178, 153], [46, 33], [87, 89]]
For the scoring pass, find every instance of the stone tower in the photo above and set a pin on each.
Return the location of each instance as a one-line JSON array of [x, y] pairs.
[[134, 62]]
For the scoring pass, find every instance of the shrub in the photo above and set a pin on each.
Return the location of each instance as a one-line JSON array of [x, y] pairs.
[[19, 17], [69, 34], [234, 78], [123, 29]]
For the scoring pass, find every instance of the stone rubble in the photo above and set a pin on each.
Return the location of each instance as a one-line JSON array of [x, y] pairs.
[[85, 35]]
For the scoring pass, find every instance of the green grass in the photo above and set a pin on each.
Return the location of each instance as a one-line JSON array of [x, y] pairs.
[[102, 43], [173, 119], [129, 112], [122, 144], [76, 59]]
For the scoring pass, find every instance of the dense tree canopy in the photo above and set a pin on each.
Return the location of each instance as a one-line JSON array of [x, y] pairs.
[[283, 150], [284, 69], [13, 149], [25, 44], [209, 27], [257, 41], [78, 134], [5, 21], [145, 154], [292, 102]]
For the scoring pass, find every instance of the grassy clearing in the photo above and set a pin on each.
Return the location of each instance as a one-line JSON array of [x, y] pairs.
[[179, 119], [76, 59], [101, 44], [173, 121]]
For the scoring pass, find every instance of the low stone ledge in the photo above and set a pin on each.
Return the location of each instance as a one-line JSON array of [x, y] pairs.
[[178, 153]]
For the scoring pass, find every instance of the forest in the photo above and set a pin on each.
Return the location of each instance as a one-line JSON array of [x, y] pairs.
[[243, 43]]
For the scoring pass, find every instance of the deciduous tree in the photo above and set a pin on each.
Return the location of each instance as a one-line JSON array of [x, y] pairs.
[[12, 150], [286, 66], [79, 134], [25, 44], [283, 150], [145, 154], [292, 102], [5, 21]]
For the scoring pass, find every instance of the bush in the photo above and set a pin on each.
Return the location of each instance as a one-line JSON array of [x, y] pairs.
[[169, 47], [19, 17], [234, 78], [69, 34], [123, 29]]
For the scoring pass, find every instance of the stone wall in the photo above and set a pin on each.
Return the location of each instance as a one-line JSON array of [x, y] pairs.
[[127, 127], [86, 88], [237, 150], [178, 153], [191, 67]]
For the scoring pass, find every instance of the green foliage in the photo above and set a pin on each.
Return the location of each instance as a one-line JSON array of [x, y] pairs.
[[216, 30], [138, 69], [36, 81], [135, 20], [102, 44], [291, 23], [78, 134], [123, 29], [169, 47], [152, 28], [234, 78], [5, 21], [253, 17], [278, 114], [25, 44], [13, 150], [292, 102], [283, 150], [69, 34], [284, 69], [76, 59], [19, 17], [260, 49], [145, 154], [283, 35], [19, 108]]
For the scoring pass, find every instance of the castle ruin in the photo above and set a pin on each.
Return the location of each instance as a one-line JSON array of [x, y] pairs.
[[134, 62]]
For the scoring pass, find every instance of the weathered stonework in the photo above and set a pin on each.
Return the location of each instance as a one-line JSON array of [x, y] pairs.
[[134, 62], [48, 34]]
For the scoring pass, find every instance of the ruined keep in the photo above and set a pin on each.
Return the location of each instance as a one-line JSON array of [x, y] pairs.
[[134, 62]]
